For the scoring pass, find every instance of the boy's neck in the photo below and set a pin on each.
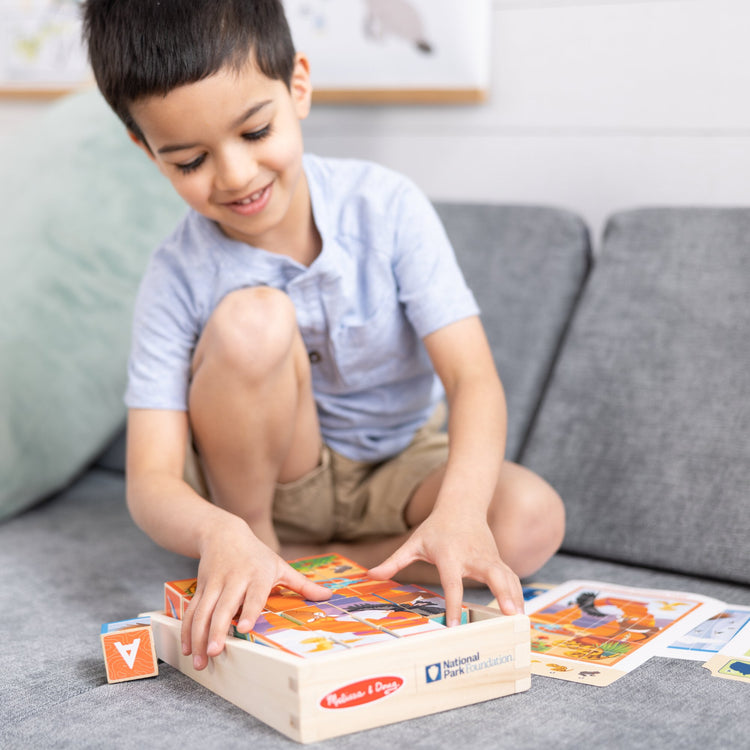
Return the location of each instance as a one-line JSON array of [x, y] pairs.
[[305, 243], [298, 238]]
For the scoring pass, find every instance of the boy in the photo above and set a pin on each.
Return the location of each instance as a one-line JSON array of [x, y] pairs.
[[300, 330]]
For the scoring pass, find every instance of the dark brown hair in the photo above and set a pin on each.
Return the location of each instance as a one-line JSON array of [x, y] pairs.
[[141, 48]]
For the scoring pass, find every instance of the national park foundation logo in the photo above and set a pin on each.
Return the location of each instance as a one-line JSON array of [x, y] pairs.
[[463, 665]]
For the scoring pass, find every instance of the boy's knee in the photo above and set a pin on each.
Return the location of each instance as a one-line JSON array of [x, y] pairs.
[[251, 331], [529, 525]]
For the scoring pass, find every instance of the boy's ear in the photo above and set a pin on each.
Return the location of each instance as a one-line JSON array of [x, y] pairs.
[[301, 85], [141, 145]]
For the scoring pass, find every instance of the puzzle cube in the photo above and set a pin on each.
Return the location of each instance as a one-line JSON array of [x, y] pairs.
[[282, 632], [386, 615], [177, 596], [419, 600], [128, 648], [281, 599], [328, 567], [339, 625]]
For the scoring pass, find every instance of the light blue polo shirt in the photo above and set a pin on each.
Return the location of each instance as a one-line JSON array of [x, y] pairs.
[[385, 278]]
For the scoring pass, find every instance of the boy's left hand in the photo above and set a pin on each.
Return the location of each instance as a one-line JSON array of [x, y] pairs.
[[460, 545]]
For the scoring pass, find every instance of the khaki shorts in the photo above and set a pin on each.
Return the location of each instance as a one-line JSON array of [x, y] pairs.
[[345, 499]]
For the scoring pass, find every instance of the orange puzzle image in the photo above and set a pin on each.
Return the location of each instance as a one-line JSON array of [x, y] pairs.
[[129, 652], [361, 610]]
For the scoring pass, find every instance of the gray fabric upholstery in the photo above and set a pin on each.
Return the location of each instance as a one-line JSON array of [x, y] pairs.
[[645, 430], [526, 266]]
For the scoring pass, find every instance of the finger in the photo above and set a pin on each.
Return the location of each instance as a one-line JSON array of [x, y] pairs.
[[199, 630], [226, 607], [187, 624], [507, 589], [308, 589], [252, 606], [453, 588], [402, 557]]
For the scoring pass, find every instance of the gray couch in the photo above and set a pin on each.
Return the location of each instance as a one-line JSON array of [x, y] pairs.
[[627, 373]]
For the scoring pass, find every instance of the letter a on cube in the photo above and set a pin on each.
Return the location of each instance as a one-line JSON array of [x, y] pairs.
[[129, 652]]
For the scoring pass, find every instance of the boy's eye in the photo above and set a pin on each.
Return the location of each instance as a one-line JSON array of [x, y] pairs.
[[192, 165], [258, 135]]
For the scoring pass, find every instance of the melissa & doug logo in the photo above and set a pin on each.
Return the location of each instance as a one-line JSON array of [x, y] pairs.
[[361, 692]]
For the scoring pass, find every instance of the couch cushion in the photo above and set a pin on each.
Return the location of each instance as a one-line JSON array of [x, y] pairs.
[[645, 430], [526, 266], [82, 209]]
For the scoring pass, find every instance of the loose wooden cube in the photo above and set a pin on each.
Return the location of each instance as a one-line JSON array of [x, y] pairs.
[[129, 652]]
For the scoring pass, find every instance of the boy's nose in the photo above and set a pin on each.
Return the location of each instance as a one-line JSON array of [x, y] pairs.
[[235, 170]]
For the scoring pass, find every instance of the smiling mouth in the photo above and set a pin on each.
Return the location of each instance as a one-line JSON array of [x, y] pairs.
[[252, 198], [253, 203]]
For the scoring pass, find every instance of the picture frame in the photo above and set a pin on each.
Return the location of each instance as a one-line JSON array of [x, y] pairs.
[[41, 51], [395, 51], [360, 51]]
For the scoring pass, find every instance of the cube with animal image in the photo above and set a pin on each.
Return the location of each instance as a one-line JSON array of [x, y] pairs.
[[328, 567], [291, 636], [340, 625], [386, 615], [419, 600], [281, 598]]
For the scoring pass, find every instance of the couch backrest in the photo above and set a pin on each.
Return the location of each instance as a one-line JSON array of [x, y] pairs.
[[645, 430], [526, 266]]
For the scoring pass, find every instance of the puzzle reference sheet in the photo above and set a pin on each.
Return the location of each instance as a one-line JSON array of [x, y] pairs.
[[594, 633], [711, 636], [733, 660], [361, 610]]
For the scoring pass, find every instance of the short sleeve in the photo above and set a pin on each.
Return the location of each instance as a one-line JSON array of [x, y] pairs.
[[165, 331], [430, 283]]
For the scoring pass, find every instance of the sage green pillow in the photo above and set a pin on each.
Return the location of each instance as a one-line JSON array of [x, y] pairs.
[[82, 210]]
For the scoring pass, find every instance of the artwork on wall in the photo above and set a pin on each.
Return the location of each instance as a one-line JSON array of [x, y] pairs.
[[41, 53], [409, 51]]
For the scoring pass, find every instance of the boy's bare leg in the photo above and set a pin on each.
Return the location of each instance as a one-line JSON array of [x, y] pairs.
[[526, 517], [252, 411]]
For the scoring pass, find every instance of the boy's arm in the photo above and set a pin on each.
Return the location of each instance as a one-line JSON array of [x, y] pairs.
[[456, 537], [236, 569]]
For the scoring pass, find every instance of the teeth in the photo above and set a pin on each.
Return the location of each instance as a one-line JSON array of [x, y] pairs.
[[251, 199]]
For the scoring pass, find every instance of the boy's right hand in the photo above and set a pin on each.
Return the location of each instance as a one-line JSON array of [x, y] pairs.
[[236, 572]]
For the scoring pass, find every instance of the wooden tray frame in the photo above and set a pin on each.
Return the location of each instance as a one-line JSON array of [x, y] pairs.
[[314, 699]]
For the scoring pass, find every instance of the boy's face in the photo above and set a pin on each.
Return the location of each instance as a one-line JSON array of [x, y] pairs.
[[231, 145]]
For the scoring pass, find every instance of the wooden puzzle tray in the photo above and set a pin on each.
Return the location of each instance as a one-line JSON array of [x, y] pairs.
[[341, 692]]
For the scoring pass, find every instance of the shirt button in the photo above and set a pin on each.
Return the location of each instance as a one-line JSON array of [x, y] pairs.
[[314, 357]]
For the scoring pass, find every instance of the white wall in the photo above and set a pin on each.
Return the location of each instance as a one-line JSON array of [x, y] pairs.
[[596, 105]]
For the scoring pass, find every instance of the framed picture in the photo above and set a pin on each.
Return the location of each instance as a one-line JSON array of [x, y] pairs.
[[41, 53], [408, 51]]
